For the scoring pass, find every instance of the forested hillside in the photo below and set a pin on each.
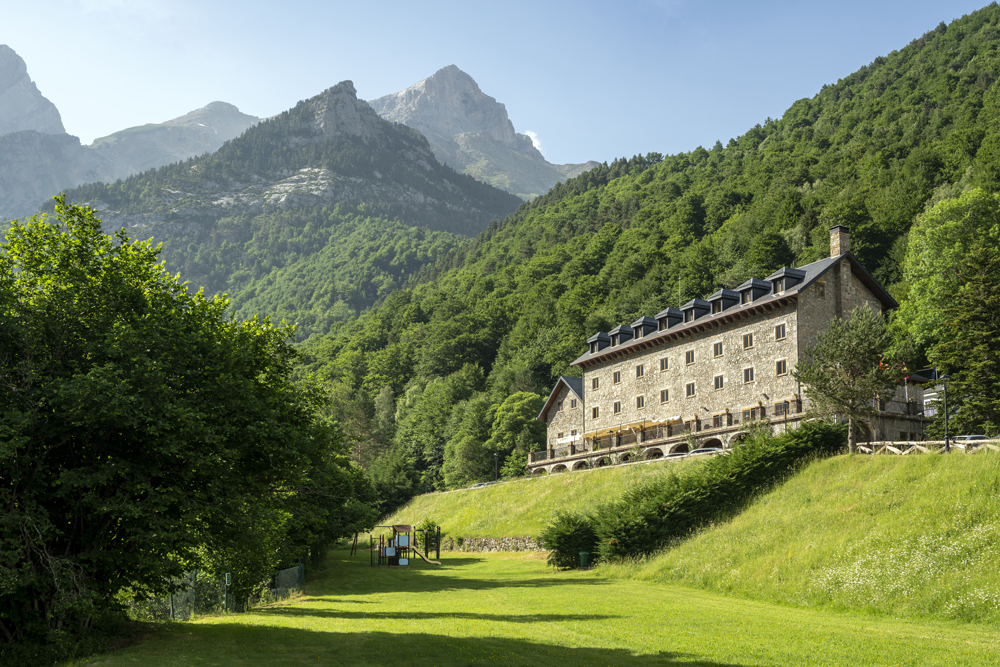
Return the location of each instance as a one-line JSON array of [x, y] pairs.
[[444, 375], [312, 215]]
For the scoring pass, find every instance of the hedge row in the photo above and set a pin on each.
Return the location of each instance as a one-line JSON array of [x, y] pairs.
[[652, 515]]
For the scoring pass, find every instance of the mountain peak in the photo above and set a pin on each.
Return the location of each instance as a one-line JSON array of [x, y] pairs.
[[470, 131], [22, 106], [448, 103], [339, 112]]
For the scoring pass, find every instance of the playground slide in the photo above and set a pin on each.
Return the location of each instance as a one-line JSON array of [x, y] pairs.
[[432, 562]]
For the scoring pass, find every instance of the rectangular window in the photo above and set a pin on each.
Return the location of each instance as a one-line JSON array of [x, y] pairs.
[[559, 406], [617, 377], [779, 285], [718, 382], [781, 367], [689, 315], [664, 395], [664, 364], [689, 357], [595, 413], [689, 389], [750, 415], [747, 341], [821, 290], [779, 332], [745, 297], [781, 409], [572, 403], [717, 306], [559, 436], [747, 375], [618, 407], [640, 401], [639, 371], [717, 421], [573, 433], [595, 383], [717, 349]]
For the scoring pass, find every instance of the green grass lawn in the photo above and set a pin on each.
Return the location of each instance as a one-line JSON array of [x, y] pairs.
[[510, 609], [913, 536], [524, 507]]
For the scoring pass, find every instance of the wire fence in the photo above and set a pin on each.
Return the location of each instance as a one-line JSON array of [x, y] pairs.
[[199, 593]]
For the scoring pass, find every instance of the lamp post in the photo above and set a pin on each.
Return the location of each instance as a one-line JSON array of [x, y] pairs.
[[944, 391], [496, 466]]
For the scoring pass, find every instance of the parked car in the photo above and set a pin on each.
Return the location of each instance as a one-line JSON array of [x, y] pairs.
[[707, 451], [969, 441], [675, 455]]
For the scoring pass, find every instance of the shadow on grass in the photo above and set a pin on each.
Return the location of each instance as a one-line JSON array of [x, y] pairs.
[[236, 644], [427, 615], [402, 581]]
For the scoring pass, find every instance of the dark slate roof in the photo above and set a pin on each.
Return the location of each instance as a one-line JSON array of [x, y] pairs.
[[600, 335], [621, 328], [724, 294], [754, 282], [696, 303], [666, 312], [811, 273], [575, 385], [786, 271], [644, 321]]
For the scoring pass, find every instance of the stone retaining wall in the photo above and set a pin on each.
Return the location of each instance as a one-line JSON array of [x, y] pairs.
[[488, 544]]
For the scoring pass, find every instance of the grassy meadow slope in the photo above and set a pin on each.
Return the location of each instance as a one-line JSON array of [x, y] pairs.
[[523, 507], [912, 536], [510, 609]]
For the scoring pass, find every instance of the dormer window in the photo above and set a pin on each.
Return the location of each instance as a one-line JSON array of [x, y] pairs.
[[717, 307], [746, 297], [689, 316], [593, 348], [614, 340], [779, 285]]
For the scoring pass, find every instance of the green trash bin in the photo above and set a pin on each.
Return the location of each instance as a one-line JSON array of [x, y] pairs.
[[584, 558]]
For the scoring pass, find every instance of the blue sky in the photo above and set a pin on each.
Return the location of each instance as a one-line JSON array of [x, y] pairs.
[[593, 80]]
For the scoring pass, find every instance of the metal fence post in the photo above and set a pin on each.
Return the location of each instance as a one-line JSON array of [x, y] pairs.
[[437, 542]]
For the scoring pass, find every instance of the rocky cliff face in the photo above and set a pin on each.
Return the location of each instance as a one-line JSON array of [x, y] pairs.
[[35, 166], [204, 130], [22, 106], [471, 132]]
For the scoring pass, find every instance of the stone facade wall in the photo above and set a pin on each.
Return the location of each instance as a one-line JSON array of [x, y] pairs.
[[735, 395], [566, 420], [490, 544]]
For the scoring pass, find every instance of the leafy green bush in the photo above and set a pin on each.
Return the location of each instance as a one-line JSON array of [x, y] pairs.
[[568, 535], [651, 515]]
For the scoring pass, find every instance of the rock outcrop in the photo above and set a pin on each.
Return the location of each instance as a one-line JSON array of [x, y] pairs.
[[204, 130], [471, 132], [35, 166], [22, 106]]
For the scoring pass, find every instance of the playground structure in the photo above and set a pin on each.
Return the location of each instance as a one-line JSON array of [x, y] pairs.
[[396, 551]]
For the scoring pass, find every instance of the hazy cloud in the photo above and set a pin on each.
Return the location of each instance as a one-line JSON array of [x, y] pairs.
[[534, 139]]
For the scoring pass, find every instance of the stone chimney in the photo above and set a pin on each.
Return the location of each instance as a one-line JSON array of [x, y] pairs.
[[840, 240]]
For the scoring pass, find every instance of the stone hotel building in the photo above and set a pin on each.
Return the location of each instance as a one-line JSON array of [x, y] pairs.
[[703, 370]]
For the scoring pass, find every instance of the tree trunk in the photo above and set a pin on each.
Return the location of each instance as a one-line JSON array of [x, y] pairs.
[[852, 439]]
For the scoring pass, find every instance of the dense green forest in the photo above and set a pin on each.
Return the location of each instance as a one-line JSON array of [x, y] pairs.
[[444, 375]]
